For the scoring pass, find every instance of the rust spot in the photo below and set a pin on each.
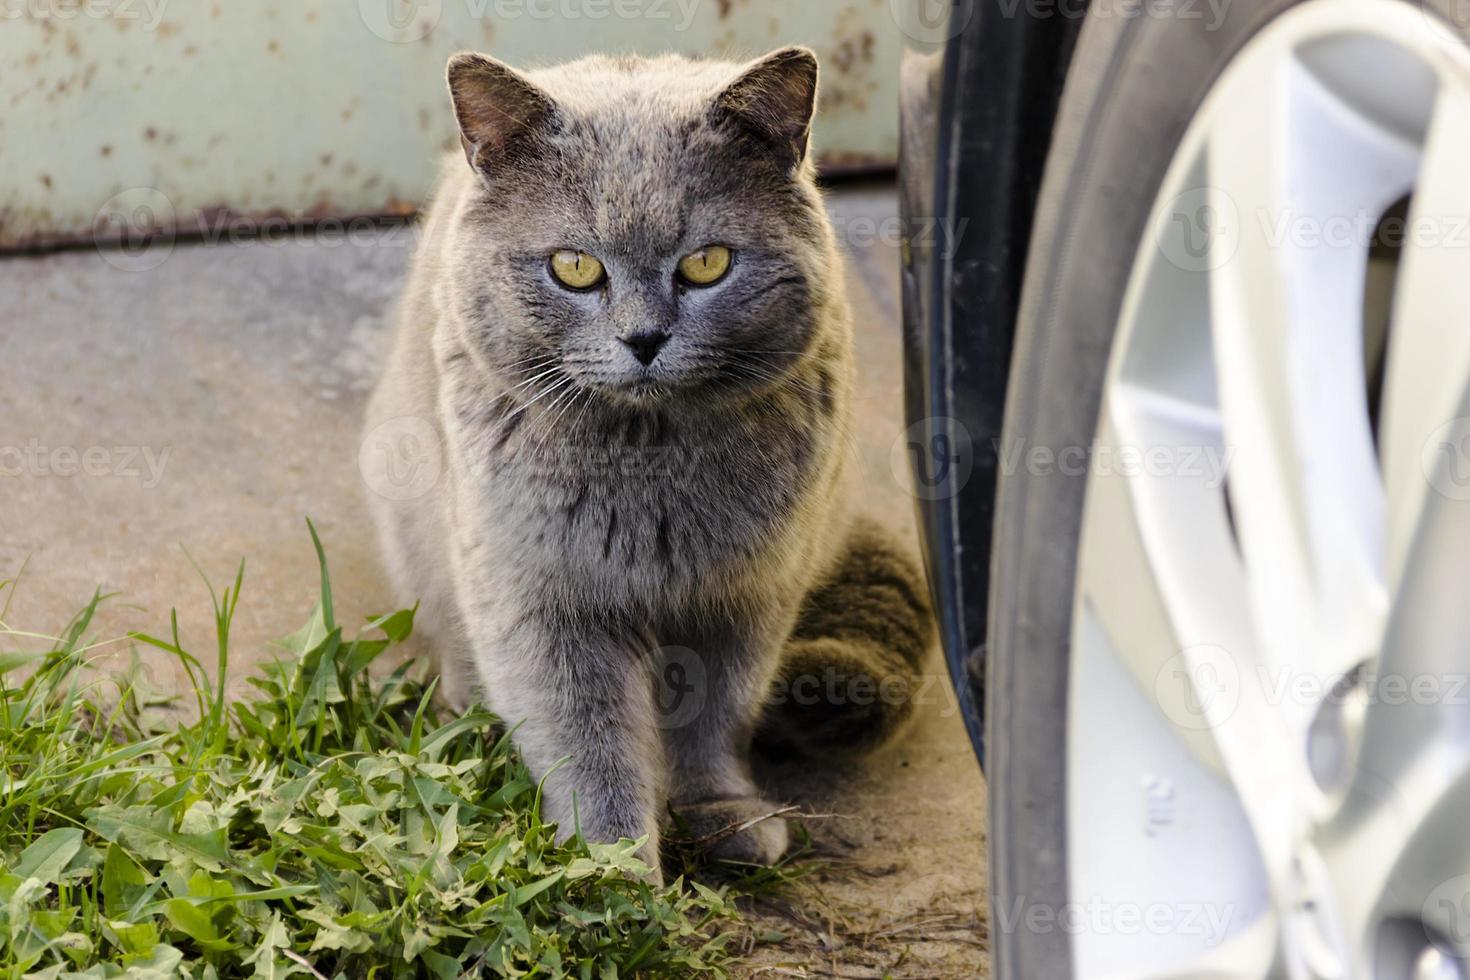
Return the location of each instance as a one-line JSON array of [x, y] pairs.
[[168, 29], [346, 115], [725, 7], [854, 52], [150, 133], [426, 119], [273, 47], [311, 17], [214, 12], [191, 49]]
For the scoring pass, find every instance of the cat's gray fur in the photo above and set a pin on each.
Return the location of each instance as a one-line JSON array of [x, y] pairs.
[[600, 523]]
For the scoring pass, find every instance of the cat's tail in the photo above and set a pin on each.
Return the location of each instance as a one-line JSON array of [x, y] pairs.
[[852, 670]]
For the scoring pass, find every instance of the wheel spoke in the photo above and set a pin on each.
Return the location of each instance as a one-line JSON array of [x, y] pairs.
[[1161, 731], [1287, 313], [1429, 347], [1186, 653]]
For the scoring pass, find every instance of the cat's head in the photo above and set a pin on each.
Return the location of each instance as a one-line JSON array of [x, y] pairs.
[[640, 229]]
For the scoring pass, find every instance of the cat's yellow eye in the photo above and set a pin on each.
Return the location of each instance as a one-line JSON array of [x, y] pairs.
[[706, 266], [577, 270]]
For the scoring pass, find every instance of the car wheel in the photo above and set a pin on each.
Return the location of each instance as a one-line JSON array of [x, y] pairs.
[[1228, 727]]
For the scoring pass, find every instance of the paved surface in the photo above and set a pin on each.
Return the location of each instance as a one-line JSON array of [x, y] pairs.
[[208, 398]]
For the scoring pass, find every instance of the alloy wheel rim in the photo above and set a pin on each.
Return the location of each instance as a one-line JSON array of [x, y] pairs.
[[1269, 730]]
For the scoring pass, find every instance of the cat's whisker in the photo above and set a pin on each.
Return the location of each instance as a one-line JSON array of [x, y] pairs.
[[775, 379], [527, 360], [539, 396], [551, 414], [591, 399], [538, 377]]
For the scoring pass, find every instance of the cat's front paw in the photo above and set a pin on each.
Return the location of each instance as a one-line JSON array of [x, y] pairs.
[[748, 830]]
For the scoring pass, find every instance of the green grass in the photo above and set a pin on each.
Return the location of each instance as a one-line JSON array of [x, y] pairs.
[[332, 825]]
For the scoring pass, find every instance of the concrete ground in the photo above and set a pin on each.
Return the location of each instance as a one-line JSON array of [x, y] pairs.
[[207, 398]]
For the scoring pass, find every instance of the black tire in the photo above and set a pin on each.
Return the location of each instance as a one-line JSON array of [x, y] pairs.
[[1135, 84]]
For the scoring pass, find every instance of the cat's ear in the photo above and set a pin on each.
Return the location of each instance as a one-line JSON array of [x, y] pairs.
[[498, 107], [775, 98]]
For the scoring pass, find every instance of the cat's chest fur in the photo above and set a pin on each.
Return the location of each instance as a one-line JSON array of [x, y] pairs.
[[642, 506]]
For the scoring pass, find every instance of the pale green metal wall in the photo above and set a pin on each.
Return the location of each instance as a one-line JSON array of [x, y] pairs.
[[170, 110]]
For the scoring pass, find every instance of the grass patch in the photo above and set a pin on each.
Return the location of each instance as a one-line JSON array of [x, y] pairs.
[[333, 825]]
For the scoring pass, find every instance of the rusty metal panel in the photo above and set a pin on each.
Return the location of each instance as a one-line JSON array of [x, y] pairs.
[[117, 115]]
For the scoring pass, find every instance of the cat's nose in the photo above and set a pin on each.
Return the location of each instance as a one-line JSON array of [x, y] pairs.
[[646, 345]]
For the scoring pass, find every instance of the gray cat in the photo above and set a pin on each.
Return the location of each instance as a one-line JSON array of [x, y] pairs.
[[625, 325]]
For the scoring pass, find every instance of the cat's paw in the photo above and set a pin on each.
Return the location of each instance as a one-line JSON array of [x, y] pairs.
[[748, 830]]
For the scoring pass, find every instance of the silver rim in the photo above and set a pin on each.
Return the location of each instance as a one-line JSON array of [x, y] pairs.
[[1269, 725]]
